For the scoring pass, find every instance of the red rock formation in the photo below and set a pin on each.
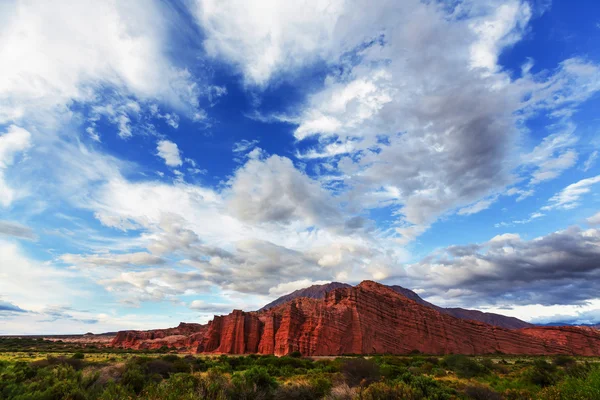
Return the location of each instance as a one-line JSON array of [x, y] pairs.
[[366, 319]]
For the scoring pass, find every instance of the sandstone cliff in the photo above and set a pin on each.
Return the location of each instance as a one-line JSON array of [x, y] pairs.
[[366, 319]]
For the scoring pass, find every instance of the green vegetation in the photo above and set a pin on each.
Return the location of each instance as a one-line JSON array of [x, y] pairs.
[[36, 373]]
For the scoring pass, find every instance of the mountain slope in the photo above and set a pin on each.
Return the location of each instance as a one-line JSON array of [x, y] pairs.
[[312, 292], [366, 319]]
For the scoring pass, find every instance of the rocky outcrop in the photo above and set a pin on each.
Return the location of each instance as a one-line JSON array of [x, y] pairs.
[[184, 336], [366, 319]]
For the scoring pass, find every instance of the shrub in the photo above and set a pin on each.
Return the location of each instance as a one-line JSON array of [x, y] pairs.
[[385, 391], [78, 356], [160, 367], [563, 360], [479, 392], [254, 383], [316, 388], [295, 354], [542, 373], [464, 366], [430, 389], [360, 371], [134, 378], [342, 392], [170, 358]]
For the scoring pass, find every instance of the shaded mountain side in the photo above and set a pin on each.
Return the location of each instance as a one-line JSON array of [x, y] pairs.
[[319, 291]]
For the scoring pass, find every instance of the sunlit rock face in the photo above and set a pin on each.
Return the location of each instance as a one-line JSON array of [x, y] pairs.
[[366, 319]]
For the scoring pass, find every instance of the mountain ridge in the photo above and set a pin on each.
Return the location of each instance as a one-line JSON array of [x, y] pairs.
[[319, 291], [369, 318]]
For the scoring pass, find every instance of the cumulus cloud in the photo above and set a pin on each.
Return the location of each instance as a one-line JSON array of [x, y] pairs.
[[273, 190], [558, 268], [169, 152], [262, 39], [450, 114]]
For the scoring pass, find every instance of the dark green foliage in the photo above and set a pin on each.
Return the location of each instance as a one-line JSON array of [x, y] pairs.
[[315, 388], [430, 388], [463, 366], [390, 391], [360, 371], [254, 383], [563, 360], [78, 356], [478, 392], [295, 354], [542, 373]]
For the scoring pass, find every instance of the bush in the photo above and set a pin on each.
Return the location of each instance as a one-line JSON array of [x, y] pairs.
[[134, 378], [563, 360], [542, 373], [360, 371], [479, 392], [254, 383], [385, 391], [160, 367], [295, 354], [464, 366], [316, 388], [78, 356], [430, 389]]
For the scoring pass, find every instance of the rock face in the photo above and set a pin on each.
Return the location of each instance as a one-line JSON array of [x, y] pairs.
[[366, 319]]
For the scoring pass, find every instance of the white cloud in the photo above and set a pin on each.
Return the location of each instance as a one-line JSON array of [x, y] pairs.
[[594, 219], [14, 229], [552, 156], [14, 141], [478, 206], [569, 197], [169, 152], [503, 28], [262, 39], [59, 52], [244, 145], [589, 163], [117, 260], [31, 284]]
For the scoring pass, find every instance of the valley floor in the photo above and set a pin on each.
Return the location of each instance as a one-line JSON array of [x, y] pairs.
[[41, 369]]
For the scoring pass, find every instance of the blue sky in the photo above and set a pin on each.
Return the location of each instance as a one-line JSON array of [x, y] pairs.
[[167, 161]]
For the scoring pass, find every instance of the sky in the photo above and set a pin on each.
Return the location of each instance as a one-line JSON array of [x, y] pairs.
[[165, 161]]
